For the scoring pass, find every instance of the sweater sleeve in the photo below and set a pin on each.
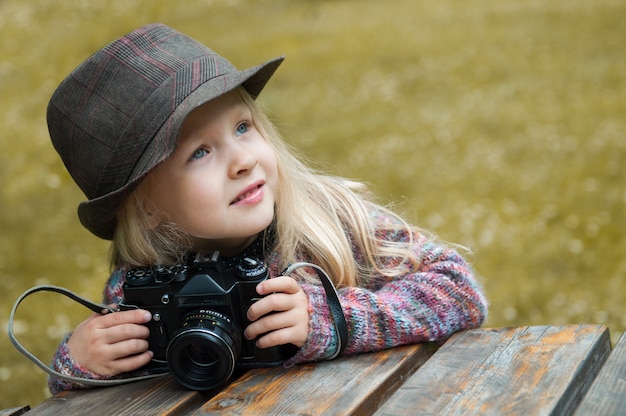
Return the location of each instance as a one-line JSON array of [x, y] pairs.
[[434, 300], [62, 360]]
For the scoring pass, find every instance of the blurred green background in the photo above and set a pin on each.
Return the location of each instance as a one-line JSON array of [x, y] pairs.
[[499, 125]]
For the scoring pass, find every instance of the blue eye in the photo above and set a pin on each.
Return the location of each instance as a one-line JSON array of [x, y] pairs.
[[242, 128], [198, 154]]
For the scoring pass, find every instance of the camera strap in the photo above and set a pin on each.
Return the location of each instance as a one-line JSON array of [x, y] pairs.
[[101, 309], [339, 321], [336, 311]]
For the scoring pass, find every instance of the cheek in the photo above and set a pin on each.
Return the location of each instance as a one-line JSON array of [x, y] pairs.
[[269, 162], [172, 200], [163, 200]]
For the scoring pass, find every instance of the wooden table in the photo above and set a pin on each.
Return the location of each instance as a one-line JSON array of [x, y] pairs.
[[547, 370]]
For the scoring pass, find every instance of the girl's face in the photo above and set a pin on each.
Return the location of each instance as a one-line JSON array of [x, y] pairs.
[[220, 184]]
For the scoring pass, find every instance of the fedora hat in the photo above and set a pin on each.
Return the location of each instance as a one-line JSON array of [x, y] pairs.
[[118, 114]]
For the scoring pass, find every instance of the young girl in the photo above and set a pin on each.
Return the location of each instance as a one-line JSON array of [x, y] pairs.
[[165, 139]]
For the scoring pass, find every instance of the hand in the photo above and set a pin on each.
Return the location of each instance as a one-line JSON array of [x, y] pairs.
[[113, 343], [289, 322]]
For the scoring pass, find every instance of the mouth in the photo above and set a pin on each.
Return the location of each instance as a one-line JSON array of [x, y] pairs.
[[249, 193]]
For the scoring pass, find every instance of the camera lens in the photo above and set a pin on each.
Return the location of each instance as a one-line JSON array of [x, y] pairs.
[[203, 352]]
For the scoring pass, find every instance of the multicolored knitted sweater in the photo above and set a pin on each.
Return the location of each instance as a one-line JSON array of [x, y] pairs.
[[434, 300]]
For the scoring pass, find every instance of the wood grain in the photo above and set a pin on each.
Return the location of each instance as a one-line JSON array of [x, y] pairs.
[[508, 371], [162, 396], [345, 386], [607, 395], [14, 411], [540, 370]]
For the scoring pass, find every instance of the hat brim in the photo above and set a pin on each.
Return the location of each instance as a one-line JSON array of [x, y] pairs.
[[99, 215]]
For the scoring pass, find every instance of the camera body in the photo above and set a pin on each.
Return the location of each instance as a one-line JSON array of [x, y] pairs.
[[199, 312]]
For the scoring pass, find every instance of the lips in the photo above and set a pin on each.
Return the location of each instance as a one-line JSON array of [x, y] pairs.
[[251, 194]]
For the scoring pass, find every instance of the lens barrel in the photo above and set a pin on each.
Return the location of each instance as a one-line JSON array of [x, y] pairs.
[[203, 352]]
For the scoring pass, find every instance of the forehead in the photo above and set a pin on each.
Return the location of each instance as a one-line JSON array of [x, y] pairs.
[[228, 104]]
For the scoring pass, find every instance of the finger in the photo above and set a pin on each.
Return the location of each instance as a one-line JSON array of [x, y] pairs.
[[276, 302], [135, 316], [284, 284], [126, 348], [127, 363], [280, 337], [125, 332], [268, 323]]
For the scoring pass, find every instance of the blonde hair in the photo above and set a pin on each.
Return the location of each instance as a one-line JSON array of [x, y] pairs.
[[321, 217]]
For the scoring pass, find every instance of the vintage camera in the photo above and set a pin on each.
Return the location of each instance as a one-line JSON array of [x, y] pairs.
[[198, 317]]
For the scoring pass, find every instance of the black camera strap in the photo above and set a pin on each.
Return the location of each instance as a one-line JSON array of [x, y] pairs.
[[101, 309], [339, 319], [336, 310]]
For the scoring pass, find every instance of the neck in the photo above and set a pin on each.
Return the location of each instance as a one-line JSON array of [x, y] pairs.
[[226, 247]]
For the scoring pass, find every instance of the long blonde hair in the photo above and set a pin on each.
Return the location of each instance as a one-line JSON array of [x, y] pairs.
[[323, 218]]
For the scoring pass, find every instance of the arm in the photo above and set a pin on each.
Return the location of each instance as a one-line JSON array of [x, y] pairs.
[[430, 303]]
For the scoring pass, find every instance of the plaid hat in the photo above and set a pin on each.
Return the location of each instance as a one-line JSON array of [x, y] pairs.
[[118, 114]]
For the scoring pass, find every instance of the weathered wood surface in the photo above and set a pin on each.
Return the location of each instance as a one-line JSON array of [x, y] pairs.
[[525, 371], [607, 395], [161, 396], [509, 371], [15, 411], [351, 385]]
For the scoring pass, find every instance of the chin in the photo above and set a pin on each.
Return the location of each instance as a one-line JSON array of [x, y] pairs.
[[261, 226]]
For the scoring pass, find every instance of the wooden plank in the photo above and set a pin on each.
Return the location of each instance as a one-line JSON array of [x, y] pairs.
[[344, 386], [15, 411], [508, 371], [161, 396], [607, 395]]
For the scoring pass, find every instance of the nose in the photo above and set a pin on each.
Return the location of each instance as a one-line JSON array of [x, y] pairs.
[[242, 160]]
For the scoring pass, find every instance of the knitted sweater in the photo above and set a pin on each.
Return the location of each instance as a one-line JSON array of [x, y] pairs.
[[435, 299]]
